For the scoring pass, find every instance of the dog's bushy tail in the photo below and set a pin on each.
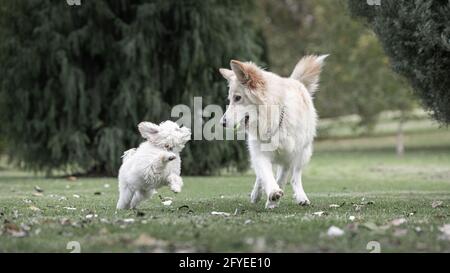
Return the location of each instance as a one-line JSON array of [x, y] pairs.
[[127, 154], [307, 71]]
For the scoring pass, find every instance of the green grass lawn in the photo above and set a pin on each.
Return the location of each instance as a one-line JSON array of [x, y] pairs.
[[389, 197]]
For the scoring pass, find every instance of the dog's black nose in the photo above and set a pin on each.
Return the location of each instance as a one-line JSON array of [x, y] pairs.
[[224, 122]]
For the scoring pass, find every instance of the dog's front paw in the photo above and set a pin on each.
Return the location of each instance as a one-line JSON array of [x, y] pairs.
[[273, 199], [175, 188], [255, 196], [275, 195], [271, 205], [175, 183], [166, 157], [302, 199]]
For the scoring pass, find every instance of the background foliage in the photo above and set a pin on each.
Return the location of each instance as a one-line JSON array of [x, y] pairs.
[[416, 37], [77, 80], [356, 78]]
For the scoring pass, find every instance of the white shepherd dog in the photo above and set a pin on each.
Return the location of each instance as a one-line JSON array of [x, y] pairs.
[[291, 130]]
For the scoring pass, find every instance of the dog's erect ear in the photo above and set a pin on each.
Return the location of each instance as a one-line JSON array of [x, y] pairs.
[[226, 73], [240, 71], [148, 129], [248, 74]]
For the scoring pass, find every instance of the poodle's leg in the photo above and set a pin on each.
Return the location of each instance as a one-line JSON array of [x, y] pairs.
[[125, 196], [255, 195], [175, 182], [138, 197]]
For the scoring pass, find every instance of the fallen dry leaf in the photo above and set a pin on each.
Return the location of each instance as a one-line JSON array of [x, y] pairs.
[[334, 231], [398, 222], [371, 226], [351, 218], [76, 196], [69, 208], [91, 216], [65, 221], [319, 213], [167, 202], [334, 206], [37, 194], [353, 227], [128, 221], [34, 208], [437, 204], [220, 213], [104, 231], [358, 207], [72, 178], [38, 189], [14, 230], [25, 227], [145, 240], [400, 232]]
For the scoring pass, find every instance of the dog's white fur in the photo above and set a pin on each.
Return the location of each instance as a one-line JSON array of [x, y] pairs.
[[155, 163], [251, 85]]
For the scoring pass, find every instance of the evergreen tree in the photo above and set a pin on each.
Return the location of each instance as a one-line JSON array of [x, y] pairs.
[[76, 80], [416, 37]]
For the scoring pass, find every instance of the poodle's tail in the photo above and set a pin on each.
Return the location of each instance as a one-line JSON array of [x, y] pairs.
[[307, 71], [127, 154]]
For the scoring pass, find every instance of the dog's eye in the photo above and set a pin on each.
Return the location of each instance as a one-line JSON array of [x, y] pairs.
[[237, 98]]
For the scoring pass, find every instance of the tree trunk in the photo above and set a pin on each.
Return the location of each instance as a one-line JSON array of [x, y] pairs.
[[400, 145]]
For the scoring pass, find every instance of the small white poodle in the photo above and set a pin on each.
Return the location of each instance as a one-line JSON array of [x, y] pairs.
[[155, 163]]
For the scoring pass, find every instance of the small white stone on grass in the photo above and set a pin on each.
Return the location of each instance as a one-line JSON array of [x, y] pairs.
[[334, 231]]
